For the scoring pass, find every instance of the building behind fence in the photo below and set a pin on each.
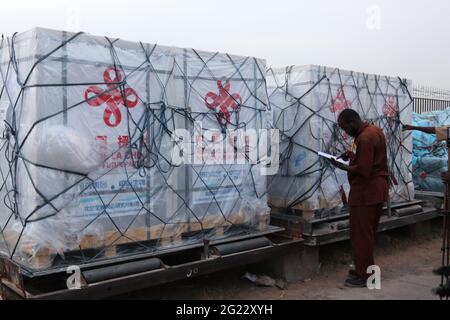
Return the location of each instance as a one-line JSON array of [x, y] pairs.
[[427, 99]]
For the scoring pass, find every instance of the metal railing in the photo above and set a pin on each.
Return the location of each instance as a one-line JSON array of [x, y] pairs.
[[428, 99]]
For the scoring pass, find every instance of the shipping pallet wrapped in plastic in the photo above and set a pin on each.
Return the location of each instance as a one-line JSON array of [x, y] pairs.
[[429, 156], [89, 129], [306, 102]]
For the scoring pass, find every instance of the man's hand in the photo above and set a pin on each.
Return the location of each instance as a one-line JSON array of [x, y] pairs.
[[337, 164], [346, 156], [445, 176]]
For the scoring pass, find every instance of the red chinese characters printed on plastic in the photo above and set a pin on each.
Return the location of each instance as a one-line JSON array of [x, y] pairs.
[[223, 102], [122, 141], [340, 103], [113, 96], [390, 108]]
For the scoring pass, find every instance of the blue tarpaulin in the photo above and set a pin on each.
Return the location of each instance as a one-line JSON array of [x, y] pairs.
[[429, 155]]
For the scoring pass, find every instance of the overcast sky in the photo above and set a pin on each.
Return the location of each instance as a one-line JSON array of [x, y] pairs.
[[394, 37]]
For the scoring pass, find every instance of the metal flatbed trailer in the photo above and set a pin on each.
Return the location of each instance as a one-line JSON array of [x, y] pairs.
[[125, 274], [291, 250], [322, 231], [327, 232]]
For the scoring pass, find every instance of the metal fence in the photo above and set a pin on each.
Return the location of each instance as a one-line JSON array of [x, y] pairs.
[[427, 99]]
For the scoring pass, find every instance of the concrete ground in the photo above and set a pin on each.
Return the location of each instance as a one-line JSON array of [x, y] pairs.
[[406, 259]]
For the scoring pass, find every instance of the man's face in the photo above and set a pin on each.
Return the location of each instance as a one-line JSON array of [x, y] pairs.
[[351, 128]]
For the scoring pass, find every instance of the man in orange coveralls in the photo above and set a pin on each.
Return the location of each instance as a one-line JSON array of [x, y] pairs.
[[368, 177]]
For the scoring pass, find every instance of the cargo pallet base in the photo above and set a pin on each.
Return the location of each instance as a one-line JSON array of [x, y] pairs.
[[317, 232], [127, 273], [158, 237]]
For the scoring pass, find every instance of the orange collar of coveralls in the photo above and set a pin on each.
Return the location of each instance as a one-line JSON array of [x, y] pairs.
[[361, 129]]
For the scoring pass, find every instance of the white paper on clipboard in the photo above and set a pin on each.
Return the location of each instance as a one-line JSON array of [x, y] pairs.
[[329, 156]]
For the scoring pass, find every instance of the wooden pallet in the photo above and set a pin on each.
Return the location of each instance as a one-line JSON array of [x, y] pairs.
[[161, 236], [282, 203]]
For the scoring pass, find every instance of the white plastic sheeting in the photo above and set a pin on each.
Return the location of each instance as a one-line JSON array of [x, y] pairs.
[[86, 155], [306, 102]]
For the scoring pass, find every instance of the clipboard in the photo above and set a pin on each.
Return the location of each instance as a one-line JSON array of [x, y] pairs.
[[329, 156]]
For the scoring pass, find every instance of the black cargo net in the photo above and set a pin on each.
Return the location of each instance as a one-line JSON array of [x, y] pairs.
[[358, 91], [145, 160]]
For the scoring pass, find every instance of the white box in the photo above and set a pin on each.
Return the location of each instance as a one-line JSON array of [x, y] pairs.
[[101, 112], [306, 101]]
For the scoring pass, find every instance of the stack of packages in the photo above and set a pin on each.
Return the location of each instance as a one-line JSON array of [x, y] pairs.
[[306, 102], [91, 127], [429, 156]]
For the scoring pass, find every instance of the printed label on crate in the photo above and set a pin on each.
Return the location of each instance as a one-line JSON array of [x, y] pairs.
[[206, 197], [222, 181], [118, 176], [119, 179], [112, 184], [119, 204], [108, 118], [119, 153]]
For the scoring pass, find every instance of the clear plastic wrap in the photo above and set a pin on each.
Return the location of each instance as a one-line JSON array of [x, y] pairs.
[[306, 102], [86, 156]]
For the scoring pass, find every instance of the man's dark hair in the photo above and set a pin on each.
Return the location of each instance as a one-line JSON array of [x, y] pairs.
[[349, 115]]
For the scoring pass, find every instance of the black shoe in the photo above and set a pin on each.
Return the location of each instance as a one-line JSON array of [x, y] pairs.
[[352, 273], [355, 282]]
